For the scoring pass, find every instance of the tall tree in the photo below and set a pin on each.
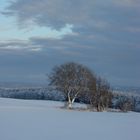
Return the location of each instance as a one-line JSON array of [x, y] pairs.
[[72, 80], [101, 98]]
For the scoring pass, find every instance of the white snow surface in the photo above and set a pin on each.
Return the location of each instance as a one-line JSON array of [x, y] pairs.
[[44, 120]]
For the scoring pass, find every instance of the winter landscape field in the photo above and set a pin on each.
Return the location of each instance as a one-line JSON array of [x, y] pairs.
[[69, 69], [46, 120]]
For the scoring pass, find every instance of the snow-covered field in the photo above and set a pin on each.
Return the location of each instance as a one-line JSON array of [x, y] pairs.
[[44, 120]]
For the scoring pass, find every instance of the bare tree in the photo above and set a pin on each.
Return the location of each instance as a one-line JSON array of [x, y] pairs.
[[124, 103], [101, 97], [73, 80]]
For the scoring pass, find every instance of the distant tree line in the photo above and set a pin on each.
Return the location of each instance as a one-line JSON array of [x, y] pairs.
[[33, 93]]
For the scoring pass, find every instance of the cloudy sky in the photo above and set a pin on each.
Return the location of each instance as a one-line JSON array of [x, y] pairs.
[[36, 35]]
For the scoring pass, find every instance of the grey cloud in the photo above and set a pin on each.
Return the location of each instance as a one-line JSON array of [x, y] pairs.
[[117, 64], [56, 13], [106, 35], [51, 12], [128, 3], [18, 45], [106, 20]]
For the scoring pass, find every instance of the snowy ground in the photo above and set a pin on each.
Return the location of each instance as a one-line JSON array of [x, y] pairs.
[[43, 120]]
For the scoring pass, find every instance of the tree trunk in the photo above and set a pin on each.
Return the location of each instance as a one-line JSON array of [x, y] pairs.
[[71, 101], [69, 105]]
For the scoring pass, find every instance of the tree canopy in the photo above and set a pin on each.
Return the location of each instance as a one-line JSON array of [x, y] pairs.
[[75, 80]]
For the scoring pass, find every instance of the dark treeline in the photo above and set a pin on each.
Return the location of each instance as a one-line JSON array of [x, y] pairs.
[[31, 94]]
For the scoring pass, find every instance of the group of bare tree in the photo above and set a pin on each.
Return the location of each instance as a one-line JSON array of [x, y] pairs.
[[75, 81], [101, 98]]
